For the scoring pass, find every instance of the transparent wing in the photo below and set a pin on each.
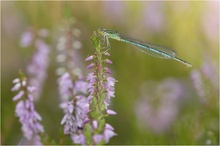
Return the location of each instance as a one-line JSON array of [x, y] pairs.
[[153, 53], [150, 49]]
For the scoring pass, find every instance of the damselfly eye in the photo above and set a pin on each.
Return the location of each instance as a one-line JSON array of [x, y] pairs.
[[101, 28]]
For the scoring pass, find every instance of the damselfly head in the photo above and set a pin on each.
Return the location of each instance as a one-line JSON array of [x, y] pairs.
[[101, 29], [107, 31]]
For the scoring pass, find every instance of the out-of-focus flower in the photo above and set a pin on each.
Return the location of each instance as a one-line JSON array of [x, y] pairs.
[[72, 86], [78, 139], [38, 65], [26, 39], [68, 87], [210, 20], [75, 114], [65, 87], [154, 16], [159, 105], [108, 132], [68, 47], [25, 111], [117, 15], [205, 80], [37, 68]]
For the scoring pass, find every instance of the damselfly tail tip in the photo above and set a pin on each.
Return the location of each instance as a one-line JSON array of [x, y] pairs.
[[183, 61], [189, 65]]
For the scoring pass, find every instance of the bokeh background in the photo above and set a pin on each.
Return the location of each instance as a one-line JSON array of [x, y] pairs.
[[157, 101]]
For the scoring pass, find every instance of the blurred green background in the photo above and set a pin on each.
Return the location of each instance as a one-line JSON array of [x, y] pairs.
[[190, 28]]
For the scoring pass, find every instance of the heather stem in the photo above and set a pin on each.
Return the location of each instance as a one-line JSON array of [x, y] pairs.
[[99, 72]]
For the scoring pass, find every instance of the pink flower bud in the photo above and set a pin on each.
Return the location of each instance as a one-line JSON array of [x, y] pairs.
[[108, 61], [90, 66], [108, 71], [89, 58], [107, 54], [111, 112]]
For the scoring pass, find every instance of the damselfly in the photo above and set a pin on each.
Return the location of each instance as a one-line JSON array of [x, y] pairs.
[[150, 49]]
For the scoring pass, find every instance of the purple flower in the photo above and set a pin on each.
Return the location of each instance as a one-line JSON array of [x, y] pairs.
[[95, 124], [91, 78], [108, 133], [154, 16], [109, 86], [72, 86], [111, 112], [78, 138], [38, 66], [205, 80], [91, 66], [18, 96], [65, 87], [26, 39], [108, 71], [25, 111], [97, 138], [210, 21], [101, 89], [119, 10], [197, 82], [108, 61], [80, 87], [75, 114], [17, 85], [106, 53], [159, 105], [91, 57]]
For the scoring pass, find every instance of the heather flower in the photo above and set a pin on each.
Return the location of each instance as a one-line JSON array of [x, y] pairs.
[[78, 138], [154, 16], [108, 61], [101, 89], [75, 114], [72, 86], [210, 21], [159, 104], [25, 111], [71, 80], [65, 86], [26, 39], [38, 65], [108, 132], [117, 15], [205, 80], [90, 66], [110, 90], [89, 58], [68, 47]]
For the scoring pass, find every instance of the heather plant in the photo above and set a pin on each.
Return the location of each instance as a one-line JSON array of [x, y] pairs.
[[72, 85], [205, 81], [37, 67], [177, 105], [101, 89], [159, 104], [25, 111], [85, 102]]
